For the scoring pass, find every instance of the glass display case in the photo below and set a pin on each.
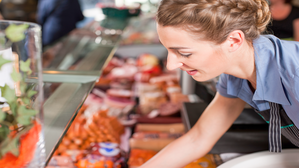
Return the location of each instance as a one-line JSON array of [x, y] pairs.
[[71, 68]]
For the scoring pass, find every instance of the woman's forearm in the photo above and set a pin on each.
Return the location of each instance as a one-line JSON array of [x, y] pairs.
[[178, 153], [197, 142]]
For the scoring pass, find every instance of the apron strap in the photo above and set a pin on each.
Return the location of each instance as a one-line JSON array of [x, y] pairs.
[[274, 128]]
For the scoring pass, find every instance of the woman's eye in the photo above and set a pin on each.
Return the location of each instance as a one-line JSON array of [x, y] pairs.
[[184, 55]]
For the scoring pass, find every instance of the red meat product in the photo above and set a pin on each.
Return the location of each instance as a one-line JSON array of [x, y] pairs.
[[139, 157], [120, 93], [156, 135], [168, 109], [124, 72]]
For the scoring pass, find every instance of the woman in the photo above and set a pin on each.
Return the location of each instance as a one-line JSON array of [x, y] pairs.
[[285, 23], [207, 38]]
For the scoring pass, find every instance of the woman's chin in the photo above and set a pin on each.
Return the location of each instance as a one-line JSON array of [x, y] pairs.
[[201, 78]]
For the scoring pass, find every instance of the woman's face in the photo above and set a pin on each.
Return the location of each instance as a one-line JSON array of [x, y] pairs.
[[202, 60]]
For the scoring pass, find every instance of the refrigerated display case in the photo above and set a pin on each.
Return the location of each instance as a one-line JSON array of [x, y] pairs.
[[71, 68]]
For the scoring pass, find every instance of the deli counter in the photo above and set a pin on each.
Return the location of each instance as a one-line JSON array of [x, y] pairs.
[[77, 73]]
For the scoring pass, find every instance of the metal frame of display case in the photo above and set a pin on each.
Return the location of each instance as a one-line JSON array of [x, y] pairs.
[[62, 106]]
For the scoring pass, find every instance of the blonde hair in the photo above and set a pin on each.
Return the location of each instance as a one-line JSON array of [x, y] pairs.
[[214, 20]]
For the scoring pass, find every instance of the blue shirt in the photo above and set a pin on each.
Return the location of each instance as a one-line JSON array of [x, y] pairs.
[[57, 18], [277, 77]]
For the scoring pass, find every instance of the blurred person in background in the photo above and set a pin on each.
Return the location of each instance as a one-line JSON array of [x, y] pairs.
[[285, 20], [57, 18]]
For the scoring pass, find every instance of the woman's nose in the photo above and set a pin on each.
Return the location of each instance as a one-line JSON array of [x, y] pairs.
[[173, 62]]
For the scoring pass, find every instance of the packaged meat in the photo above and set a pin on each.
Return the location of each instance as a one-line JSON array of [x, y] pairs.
[[124, 72], [150, 101], [170, 128], [118, 102], [205, 162], [169, 109], [103, 81], [156, 135], [102, 155], [142, 77], [178, 97], [60, 161], [149, 144], [151, 70], [121, 84], [94, 161], [110, 151], [173, 89], [147, 59], [164, 78], [142, 88], [96, 128], [122, 93], [139, 157]]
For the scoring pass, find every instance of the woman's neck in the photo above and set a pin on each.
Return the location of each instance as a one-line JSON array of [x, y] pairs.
[[244, 64]]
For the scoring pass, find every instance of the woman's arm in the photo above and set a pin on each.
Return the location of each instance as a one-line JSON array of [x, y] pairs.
[[197, 142]]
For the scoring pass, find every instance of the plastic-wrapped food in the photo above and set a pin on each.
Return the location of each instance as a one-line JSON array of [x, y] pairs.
[[118, 102], [151, 100], [156, 135], [178, 97], [164, 78], [102, 155], [61, 162], [139, 157], [94, 161], [149, 144], [124, 72], [170, 128], [119, 98], [120, 93], [87, 129], [169, 109], [142, 88], [147, 60], [110, 151], [204, 162]]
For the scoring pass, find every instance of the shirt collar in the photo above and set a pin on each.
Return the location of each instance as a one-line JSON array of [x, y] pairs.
[[269, 86]]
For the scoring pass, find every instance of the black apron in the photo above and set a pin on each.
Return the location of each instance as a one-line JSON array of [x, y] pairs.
[[279, 123]]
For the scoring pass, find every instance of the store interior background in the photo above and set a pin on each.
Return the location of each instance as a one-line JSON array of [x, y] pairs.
[[237, 140]]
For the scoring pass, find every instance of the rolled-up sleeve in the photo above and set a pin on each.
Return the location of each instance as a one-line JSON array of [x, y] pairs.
[[222, 86]]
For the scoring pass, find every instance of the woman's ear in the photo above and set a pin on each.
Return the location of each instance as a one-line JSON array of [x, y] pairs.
[[235, 40]]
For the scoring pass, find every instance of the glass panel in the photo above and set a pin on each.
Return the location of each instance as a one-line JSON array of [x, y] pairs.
[[71, 68], [94, 42], [60, 110]]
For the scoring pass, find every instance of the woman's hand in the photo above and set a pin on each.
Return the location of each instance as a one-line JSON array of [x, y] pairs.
[[213, 123]]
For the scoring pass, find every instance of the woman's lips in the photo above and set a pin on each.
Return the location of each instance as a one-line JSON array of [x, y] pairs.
[[193, 72]]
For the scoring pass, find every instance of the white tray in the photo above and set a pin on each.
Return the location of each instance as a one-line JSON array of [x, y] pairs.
[[289, 158]]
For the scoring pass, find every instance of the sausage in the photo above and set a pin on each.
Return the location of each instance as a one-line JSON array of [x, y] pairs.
[[149, 144], [171, 128]]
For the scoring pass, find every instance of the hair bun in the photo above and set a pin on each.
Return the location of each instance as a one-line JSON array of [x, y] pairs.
[[263, 15], [214, 20]]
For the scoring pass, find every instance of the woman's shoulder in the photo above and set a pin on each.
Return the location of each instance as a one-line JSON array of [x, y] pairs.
[[280, 53]]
